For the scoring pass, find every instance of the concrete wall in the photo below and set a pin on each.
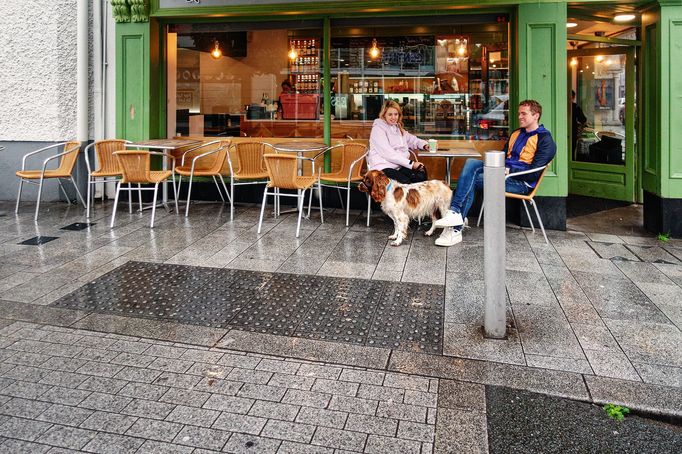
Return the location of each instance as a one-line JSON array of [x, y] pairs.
[[38, 83]]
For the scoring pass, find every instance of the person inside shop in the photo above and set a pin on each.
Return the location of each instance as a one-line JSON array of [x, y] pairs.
[[578, 121], [390, 144], [529, 147], [287, 89]]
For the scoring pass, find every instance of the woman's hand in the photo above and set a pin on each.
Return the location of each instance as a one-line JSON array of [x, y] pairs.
[[416, 165]]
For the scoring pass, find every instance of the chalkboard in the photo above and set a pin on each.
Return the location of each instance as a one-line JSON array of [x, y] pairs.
[[397, 52]]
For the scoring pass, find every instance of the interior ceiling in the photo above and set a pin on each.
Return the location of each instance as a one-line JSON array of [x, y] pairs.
[[597, 18]]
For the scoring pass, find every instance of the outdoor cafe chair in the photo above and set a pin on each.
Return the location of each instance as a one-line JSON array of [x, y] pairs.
[[282, 172], [248, 166], [136, 169], [107, 169], [68, 156], [209, 162], [525, 197], [350, 171]]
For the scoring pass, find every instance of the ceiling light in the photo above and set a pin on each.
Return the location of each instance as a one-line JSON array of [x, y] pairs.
[[293, 53], [599, 58], [574, 61], [374, 50], [216, 53], [571, 24], [624, 17]]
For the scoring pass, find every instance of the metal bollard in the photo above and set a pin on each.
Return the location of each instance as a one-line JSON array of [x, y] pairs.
[[495, 318]]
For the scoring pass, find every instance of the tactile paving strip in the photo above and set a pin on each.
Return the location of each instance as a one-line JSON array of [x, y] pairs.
[[386, 314]]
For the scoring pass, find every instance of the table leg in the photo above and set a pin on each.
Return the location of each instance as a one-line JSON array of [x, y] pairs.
[[448, 168]]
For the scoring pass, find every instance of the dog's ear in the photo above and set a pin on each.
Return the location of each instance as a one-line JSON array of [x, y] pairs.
[[379, 186]]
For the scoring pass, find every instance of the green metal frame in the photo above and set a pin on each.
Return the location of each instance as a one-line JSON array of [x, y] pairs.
[[617, 182]]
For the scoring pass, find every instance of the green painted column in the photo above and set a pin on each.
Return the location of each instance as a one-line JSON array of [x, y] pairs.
[[327, 75], [137, 81], [541, 75], [661, 142]]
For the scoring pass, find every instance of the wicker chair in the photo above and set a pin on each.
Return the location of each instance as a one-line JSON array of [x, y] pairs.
[[69, 155], [248, 166], [352, 157], [208, 161], [525, 197], [135, 167], [107, 170], [283, 174]]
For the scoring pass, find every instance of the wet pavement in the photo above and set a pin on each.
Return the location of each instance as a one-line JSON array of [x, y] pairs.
[[594, 317]]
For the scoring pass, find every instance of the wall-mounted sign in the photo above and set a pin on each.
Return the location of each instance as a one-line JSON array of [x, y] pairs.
[[193, 3]]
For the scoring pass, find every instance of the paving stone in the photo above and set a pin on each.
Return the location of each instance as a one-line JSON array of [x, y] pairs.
[[171, 365], [372, 425], [341, 439], [191, 415], [278, 366], [23, 429], [306, 398], [420, 398], [177, 380], [249, 376], [139, 375], [373, 392], [23, 408], [240, 423], [292, 381], [319, 371], [659, 375], [202, 356], [100, 369], [273, 410], [62, 378], [580, 366], [143, 391], [322, 417], [240, 361], [103, 385], [113, 444], [62, 414], [401, 411], [376, 444], [11, 446], [612, 364], [65, 396], [67, 437], [290, 447], [285, 430], [263, 392], [353, 405], [148, 408], [336, 387], [363, 376], [202, 437], [154, 429], [209, 370], [132, 359], [157, 447], [248, 444], [217, 386], [416, 431], [231, 404], [471, 434], [109, 422], [185, 397]]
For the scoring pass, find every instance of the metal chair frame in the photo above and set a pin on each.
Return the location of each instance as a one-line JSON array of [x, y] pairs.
[[300, 195], [103, 180], [42, 177], [140, 188], [339, 187], [191, 176], [233, 184], [523, 197]]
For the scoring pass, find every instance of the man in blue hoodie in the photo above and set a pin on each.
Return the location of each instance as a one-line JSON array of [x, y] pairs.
[[529, 147]]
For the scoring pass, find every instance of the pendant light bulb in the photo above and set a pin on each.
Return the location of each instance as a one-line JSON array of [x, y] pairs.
[[374, 50], [216, 53], [293, 53]]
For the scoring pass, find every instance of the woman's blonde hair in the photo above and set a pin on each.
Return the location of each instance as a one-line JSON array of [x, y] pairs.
[[389, 104]]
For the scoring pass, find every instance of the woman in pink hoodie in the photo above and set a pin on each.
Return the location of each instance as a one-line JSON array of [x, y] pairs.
[[390, 144]]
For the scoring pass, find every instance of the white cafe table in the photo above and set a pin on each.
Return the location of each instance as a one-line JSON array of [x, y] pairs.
[[164, 145], [450, 153]]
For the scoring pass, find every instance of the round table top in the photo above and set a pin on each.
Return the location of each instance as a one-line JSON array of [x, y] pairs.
[[299, 146]]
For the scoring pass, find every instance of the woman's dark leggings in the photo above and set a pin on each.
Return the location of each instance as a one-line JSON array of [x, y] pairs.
[[406, 176]]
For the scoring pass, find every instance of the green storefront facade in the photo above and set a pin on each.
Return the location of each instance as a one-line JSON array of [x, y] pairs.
[[538, 69]]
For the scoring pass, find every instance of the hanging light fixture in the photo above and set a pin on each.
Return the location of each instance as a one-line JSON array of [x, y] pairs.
[[574, 61], [216, 53], [374, 50], [293, 53], [624, 17]]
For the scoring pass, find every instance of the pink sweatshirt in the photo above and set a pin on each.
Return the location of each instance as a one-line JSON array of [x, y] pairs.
[[388, 148]]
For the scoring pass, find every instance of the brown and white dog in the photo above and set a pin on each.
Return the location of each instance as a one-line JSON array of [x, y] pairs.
[[402, 202]]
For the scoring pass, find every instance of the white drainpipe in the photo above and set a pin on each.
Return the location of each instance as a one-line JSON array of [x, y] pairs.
[[82, 71], [97, 70]]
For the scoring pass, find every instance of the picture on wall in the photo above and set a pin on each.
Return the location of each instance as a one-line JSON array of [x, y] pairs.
[[604, 98]]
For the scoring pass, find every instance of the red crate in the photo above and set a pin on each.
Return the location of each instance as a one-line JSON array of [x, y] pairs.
[[300, 107]]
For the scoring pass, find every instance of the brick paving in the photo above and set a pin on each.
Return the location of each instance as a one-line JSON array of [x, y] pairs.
[[82, 390]]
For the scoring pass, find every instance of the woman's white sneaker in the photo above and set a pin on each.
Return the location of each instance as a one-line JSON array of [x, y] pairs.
[[449, 237], [451, 219]]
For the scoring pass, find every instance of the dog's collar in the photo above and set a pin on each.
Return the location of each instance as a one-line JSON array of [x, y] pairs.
[[388, 186]]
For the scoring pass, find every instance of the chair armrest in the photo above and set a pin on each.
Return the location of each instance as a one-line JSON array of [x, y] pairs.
[[23, 161], [182, 162], [87, 156], [525, 172], [56, 156], [338, 145], [352, 165]]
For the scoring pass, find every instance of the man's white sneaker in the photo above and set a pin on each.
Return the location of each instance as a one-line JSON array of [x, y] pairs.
[[449, 237], [451, 219]]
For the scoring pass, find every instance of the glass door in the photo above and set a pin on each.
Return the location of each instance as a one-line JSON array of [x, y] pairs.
[[602, 123]]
